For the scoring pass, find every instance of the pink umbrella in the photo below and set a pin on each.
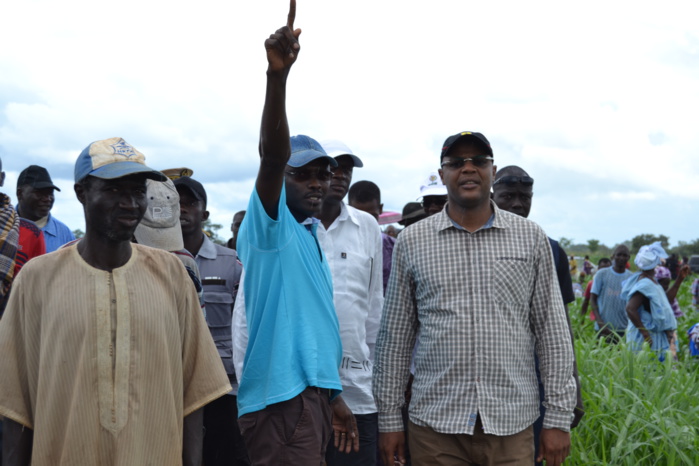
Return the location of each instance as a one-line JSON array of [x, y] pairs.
[[389, 217]]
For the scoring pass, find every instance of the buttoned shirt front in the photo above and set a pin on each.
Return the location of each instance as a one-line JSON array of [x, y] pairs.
[[483, 302], [354, 250], [220, 270]]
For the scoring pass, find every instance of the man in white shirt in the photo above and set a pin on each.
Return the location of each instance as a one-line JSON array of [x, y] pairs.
[[351, 240]]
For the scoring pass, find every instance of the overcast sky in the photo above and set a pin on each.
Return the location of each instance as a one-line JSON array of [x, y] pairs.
[[597, 101]]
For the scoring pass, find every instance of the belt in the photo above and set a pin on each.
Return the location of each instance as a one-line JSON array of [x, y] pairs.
[[322, 391]]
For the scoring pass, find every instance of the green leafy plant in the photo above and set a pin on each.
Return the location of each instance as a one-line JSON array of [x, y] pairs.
[[638, 411]]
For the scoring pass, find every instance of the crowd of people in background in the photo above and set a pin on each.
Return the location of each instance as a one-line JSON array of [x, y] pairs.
[[312, 336]]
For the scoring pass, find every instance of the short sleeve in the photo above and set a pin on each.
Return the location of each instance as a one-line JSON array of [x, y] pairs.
[[15, 394], [204, 378]]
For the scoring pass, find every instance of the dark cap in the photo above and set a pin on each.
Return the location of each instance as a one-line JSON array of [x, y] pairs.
[[451, 140], [193, 186], [412, 212], [36, 177]]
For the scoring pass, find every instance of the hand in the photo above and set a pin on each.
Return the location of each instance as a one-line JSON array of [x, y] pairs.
[[554, 446], [392, 448], [283, 46], [344, 426], [684, 272]]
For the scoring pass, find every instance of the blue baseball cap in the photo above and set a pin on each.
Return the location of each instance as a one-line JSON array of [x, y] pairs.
[[305, 150], [113, 158]]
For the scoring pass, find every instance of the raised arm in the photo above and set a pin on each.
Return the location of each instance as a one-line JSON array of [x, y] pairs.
[[681, 276], [282, 48]]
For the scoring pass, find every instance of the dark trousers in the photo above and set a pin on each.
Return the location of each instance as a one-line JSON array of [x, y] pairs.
[[295, 432], [223, 443], [368, 427]]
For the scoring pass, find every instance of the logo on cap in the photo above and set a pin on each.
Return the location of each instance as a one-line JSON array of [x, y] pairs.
[[123, 148], [162, 212]]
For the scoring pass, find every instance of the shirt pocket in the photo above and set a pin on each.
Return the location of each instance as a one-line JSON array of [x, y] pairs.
[[352, 273], [512, 281], [219, 312]]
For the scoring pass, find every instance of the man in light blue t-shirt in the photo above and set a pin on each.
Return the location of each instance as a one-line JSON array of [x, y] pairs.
[[290, 384], [605, 297]]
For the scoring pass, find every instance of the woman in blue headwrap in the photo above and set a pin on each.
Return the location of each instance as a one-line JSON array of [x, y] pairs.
[[650, 315]]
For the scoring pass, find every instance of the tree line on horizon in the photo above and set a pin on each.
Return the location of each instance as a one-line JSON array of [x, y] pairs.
[[595, 247]]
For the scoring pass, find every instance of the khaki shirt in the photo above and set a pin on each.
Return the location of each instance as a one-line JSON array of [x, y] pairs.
[[104, 366]]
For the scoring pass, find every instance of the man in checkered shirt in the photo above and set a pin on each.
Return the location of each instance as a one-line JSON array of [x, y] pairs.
[[478, 285]]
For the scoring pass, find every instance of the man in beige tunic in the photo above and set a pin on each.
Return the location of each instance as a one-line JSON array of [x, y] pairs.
[[106, 358]]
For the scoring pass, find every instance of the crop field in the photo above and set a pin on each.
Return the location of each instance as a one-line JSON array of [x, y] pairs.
[[638, 411]]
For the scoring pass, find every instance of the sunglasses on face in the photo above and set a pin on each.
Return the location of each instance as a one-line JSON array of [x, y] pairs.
[[512, 180], [428, 201], [304, 174], [478, 161]]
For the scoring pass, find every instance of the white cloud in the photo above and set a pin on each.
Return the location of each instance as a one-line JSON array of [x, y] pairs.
[[591, 98]]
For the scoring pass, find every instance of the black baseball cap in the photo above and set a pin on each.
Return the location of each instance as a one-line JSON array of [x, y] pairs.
[[193, 186], [412, 212], [36, 177], [451, 140]]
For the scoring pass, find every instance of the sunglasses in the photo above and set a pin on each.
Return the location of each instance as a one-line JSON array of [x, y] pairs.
[[434, 200], [478, 161], [303, 174], [512, 180]]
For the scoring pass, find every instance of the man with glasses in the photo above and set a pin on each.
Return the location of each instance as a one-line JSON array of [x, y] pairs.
[[478, 284], [288, 398], [513, 192]]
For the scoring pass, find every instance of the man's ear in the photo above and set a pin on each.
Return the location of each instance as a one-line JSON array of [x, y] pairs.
[[380, 209], [80, 192], [205, 215], [19, 193], [2, 178]]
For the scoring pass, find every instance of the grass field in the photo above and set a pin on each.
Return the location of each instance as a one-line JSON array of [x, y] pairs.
[[637, 411]]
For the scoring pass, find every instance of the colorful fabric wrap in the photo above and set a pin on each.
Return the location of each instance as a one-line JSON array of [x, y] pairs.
[[9, 240]]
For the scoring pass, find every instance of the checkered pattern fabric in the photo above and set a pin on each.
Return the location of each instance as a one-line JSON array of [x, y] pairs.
[[481, 303]]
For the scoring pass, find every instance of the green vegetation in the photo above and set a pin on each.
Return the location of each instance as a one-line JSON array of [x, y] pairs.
[[637, 411], [595, 247], [211, 230]]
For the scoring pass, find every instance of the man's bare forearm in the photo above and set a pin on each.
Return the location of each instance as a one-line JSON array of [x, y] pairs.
[[282, 49], [595, 310], [274, 131]]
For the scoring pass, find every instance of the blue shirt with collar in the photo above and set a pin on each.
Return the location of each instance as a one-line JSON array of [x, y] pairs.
[[56, 234], [294, 338]]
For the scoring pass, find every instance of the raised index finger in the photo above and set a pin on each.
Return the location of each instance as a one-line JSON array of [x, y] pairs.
[[292, 15]]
